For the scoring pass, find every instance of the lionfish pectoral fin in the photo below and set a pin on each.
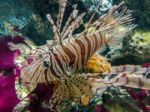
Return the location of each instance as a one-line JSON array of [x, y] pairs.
[[129, 69], [98, 86], [132, 81]]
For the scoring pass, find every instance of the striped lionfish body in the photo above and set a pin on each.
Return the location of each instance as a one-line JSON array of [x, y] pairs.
[[68, 53]]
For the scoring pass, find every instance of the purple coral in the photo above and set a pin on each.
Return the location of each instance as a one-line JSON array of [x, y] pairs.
[[8, 98], [43, 92]]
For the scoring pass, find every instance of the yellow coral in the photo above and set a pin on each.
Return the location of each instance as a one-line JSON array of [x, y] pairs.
[[97, 64]]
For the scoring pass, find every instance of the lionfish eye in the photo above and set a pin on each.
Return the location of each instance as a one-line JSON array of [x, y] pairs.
[[46, 64]]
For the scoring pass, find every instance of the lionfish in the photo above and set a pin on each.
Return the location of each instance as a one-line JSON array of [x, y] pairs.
[[68, 53], [63, 57]]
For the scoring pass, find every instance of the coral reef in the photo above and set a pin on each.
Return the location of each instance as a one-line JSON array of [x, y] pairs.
[[135, 50], [140, 12], [97, 64], [104, 5], [73, 94]]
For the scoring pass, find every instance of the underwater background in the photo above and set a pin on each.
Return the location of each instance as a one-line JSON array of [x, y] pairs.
[[24, 23], [30, 21]]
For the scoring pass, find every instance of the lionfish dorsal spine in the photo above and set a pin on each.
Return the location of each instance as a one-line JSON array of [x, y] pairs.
[[55, 29], [72, 16], [75, 24], [62, 6]]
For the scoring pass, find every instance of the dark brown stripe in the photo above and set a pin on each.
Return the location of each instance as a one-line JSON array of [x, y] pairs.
[[101, 40], [117, 80], [82, 50], [77, 53], [35, 72], [141, 84], [56, 66], [51, 67], [58, 61], [46, 73], [39, 77], [124, 67], [127, 81], [61, 54], [96, 42], [69, 54], [89, 46]]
